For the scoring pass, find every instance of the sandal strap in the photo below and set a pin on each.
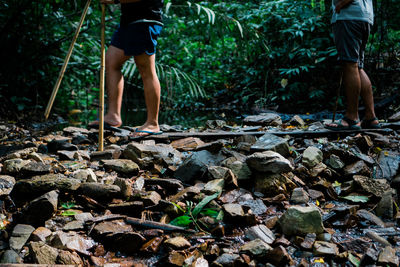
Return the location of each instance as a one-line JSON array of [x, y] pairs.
[[350, 121], [371, 120]]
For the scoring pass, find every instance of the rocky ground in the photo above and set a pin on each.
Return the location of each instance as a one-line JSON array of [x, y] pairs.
[[266, 199]]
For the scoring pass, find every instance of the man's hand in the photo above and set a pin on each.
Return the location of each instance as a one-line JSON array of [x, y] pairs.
[[107, 2], [341, 4]]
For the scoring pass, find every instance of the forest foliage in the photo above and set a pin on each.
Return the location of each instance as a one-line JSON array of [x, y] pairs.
[[224, 54]]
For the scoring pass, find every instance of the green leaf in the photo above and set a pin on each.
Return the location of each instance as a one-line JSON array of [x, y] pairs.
[[203, 203], [362, 199], [68, 213], [209, 212], [182, 221], [354, 260], [67, 205]]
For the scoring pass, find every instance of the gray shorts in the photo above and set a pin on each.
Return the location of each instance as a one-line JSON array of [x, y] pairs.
[[350, 39]]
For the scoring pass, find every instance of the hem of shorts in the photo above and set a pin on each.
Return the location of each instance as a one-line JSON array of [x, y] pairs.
[[355, 19], [341, 60], [147, 21]]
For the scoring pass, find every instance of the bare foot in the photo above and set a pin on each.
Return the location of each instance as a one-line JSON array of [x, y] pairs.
[[112, 120], [145, 130]]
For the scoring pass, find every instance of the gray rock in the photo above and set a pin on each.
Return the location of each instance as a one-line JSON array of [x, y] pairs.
[[395, 117], [42, 253], [273, 184], [358, 167], [124, 166], [61, 144], [99, 191], [36, 157], [125, 185], [35, 168], [266, 119], [20, 235], [214, 186], [335, 162], [369, 216], [296, 120], [41, 209], [85, 175], [233, 210], [196, 165], [256, 206], [269, 161], [72, 130], [312, 156], [384, 209], [40, 234], [6, 185], [42, 184], [106, 154], [238, 167], [376, 187], [71, 241], [389, 165], [10, 256], [85, 216], [151, 199], [226, 260], [388, 257], [273, 143], [23, 153], [172, 185], [260, 232], [299, 220], [299, 196], [325, 248], [148, 155], [257, 248], [178, 242], [14, 166], [74, 226]]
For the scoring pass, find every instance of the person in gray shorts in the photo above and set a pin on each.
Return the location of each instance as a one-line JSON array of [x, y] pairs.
[[351, 23]]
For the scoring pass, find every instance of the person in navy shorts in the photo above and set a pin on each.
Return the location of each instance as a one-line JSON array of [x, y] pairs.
[[140, 25]]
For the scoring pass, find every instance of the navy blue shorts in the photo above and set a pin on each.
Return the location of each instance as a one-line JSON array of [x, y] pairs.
[[351, 39], [137, 38]]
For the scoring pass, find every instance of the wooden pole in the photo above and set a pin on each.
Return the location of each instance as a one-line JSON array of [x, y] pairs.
[[102, 74], [66, 60], [337, 97]]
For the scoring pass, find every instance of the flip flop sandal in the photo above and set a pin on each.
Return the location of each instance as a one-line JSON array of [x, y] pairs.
[[148, 133], [107, 126], [352, 125], [367, 124]]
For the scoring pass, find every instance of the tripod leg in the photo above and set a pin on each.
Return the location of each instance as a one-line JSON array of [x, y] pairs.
[[66, 60]]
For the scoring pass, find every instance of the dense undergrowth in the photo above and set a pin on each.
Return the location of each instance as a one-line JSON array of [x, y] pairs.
[[219, 54]]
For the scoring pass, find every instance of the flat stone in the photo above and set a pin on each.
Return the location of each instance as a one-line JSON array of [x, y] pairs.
[[269, 161], [214, 186], [325, 248], [260, 232], [177, 242], [366, 215], [6, 185], [151, 199], [74, 226], [238, 167], [69, 258], [14, 166], [226, 260], [256, 248], [388, 257], [308, 242], [85, 175], [299, 196], [124, 166], [172, 185], [84, 216], [273, 184], [280, 257], [196, 165], [40, 234], [71, 241], [125, 185], [296, 120], [233, 210], [61, 144], [42, 253], [20, 235], [270, 142], [256, 206], [389, 165], [377, 187], [265, 119], [99, 191], [106, 154], [358, 167], [187, 144], [35, 168], [335, 162], [21, 153], [312, 156], [384, 209], [299, 220], [10, 256], [176, 258], [72, 130], [395, 117]]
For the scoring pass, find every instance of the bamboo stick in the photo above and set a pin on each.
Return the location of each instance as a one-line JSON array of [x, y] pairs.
[[66, 60], [102, 74]]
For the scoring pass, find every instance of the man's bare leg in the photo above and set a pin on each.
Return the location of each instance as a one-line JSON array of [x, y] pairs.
[[367, 96], [152, 91], [352, 85], [115, 58]]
